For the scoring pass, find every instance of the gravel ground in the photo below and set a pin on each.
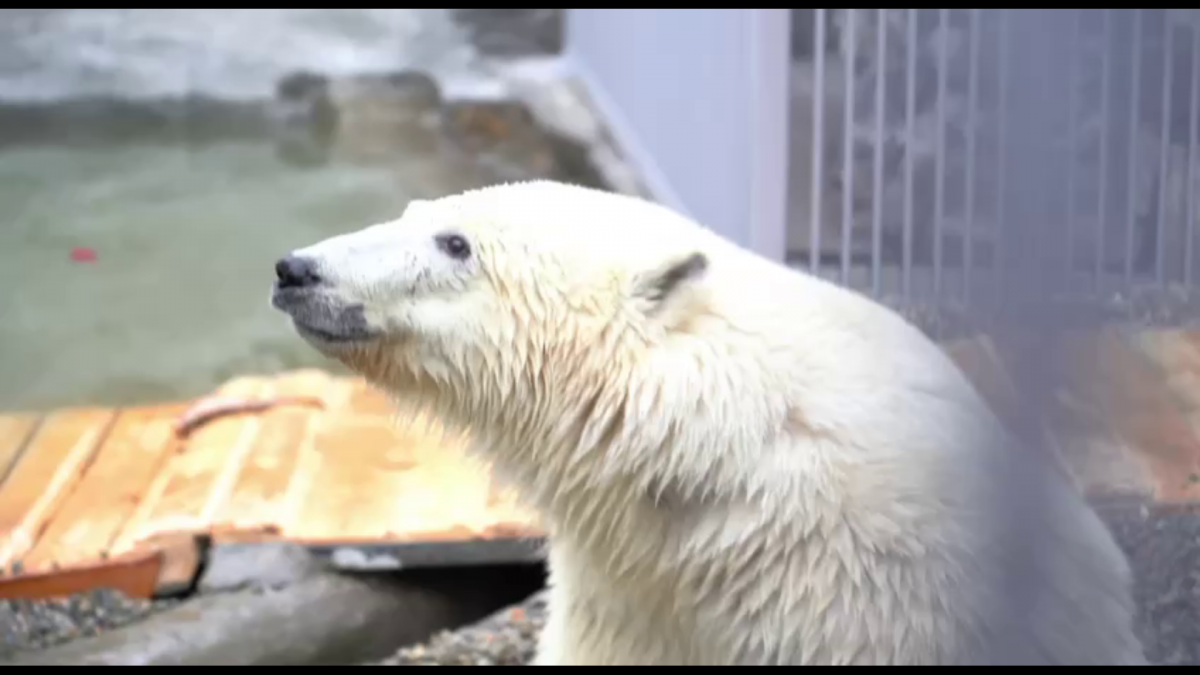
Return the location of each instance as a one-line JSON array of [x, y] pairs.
[[1163, 546], [507, 638], [27, 625]]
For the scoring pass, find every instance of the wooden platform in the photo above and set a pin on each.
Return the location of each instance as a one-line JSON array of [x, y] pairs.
[[1125, 420], [328, 465]]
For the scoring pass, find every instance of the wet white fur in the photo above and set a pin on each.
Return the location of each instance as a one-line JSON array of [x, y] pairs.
[[761, 468]]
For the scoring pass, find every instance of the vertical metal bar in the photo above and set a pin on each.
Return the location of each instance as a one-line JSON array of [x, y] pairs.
[[1134, 147], [1108, 34], [973, 38], [880, 112], [910, 138], [1190, 206], [850, 40], [818, 145], [939, 190], [1002, 156], [1072, 137], [1164, 166]]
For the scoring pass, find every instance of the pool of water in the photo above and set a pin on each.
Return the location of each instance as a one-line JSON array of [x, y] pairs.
[[176, 298], [185, 237]]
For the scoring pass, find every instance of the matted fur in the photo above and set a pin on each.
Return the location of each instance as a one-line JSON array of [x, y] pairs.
[[747, 465]]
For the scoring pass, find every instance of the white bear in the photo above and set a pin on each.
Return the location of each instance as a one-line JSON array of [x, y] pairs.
[[736, 462]]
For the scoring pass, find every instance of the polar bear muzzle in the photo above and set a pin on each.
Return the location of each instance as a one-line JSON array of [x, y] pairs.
[[317, 315]]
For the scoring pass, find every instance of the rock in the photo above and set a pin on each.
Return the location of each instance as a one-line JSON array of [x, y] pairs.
[[376, 118], [513, 32], [369, 117], [98, 120], [584, 149], [256, 565], [501, 134]]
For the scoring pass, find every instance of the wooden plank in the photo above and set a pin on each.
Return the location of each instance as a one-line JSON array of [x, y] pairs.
[[49, 469], [15, 433], [257, 505], [182, 556], [980, 361], [1176, 361], [347, 394], [343, 468], [1143, 411], [366, 399], [376, 481], [140, 440], [181, 498], [135, 575]]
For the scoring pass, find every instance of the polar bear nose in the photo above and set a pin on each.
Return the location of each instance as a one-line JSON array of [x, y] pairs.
[[296, 272]]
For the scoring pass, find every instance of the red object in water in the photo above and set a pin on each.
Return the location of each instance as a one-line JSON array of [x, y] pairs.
[[83, 254]]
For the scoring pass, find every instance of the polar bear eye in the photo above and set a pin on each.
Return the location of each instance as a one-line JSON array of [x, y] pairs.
[[454, 245]]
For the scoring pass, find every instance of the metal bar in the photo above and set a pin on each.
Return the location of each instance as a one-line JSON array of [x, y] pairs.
[[973, 37], [850, 39], [880, 112], [1164, 166], [1002, 156], [1134, 155], [910, 135], [1190, 198], [1072, 138], [818, 133], [939, 189], [1108, 32]]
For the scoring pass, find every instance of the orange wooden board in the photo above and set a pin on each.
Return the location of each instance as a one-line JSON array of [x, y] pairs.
[[187, 492], [48, 470], [15, 432], [88, 521], [102, 484], [385, 482], [82, 485]]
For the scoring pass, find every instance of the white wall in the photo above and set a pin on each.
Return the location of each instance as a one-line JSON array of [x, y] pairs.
[[698, 99]]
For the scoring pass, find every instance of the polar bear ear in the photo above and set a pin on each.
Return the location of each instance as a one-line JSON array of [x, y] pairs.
[[662, 286]]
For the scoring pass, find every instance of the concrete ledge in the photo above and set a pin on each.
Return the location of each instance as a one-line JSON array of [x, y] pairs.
[[322, 620]]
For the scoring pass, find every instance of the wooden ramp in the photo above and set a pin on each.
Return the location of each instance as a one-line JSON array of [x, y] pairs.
[[84, 492]]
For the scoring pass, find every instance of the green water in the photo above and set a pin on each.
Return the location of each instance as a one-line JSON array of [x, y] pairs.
[[176, 301]]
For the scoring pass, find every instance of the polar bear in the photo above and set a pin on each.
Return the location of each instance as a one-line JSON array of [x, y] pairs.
[[736, 462]]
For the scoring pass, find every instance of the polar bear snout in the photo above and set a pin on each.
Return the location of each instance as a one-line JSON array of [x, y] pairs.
[[294, 271], [317, 313]]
